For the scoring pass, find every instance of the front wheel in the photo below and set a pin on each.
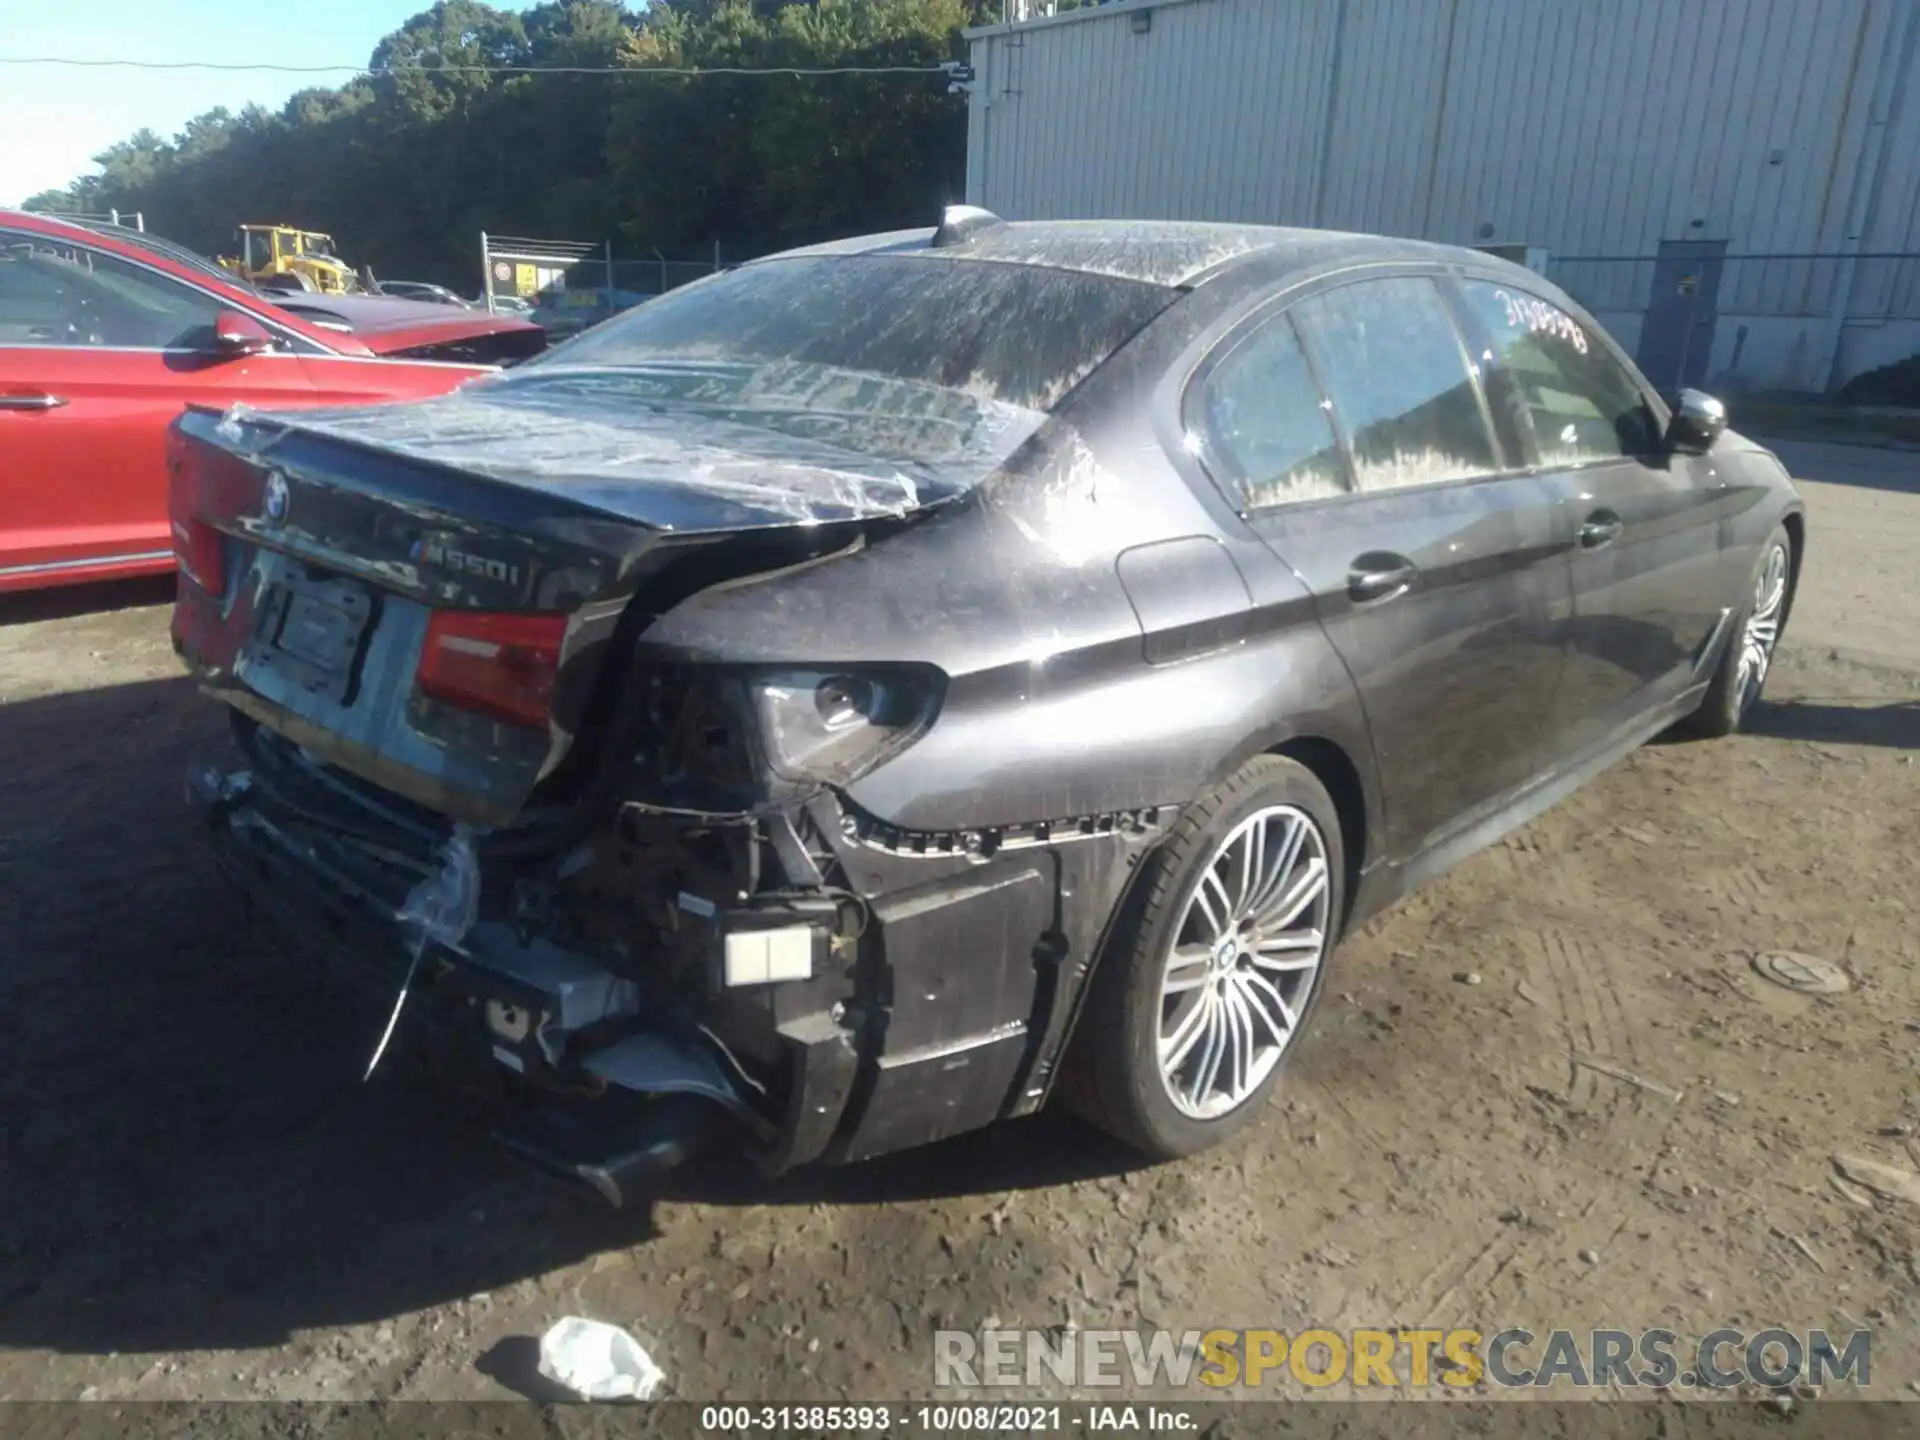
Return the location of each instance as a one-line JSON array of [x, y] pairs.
[[1214, 969], [1748, 657]]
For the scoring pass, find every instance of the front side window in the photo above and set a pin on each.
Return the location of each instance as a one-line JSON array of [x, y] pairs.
[[1585, 408], [56, 293], [1400, 383], [1266, 423]]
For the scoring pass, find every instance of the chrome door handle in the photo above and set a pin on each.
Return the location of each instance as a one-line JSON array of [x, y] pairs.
[[1378, 577], [1599, 529], [32, 400]]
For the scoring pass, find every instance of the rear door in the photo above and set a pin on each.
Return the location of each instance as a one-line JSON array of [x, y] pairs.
[[97, 357], [1649, 583], [1359, 438]]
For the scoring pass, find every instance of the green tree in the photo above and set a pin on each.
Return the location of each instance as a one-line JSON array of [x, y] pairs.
[[406, 165]]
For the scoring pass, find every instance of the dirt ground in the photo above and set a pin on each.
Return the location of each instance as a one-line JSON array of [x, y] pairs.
[[201, 1200]]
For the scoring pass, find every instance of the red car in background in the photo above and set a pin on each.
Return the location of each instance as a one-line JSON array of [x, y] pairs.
[[106, 337]]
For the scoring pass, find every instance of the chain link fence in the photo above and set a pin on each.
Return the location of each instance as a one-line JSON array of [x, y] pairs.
[[568, 285]]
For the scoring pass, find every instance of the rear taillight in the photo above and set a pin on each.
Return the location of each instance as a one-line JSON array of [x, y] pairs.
[[201, 552], [202, 482], [503, 666]]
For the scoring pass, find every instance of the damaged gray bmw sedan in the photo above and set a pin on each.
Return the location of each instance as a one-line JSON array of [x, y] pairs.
[[859, 697]]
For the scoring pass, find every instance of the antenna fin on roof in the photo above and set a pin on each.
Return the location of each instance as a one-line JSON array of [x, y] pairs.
[[961, 222]]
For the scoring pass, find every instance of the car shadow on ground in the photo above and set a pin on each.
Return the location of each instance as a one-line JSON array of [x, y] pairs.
[[192, 1160], [1895, 725], [66, 601]]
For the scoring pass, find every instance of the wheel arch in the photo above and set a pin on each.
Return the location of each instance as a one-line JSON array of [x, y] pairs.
[[1355, 806], [1795, 524], [1340, 757], [1069, 1072], [1336, 770]]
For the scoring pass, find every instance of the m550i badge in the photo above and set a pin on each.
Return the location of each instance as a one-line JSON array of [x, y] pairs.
[[432, 552]]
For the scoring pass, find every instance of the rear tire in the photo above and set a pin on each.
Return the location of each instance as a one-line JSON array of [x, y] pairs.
[[1214, 967], [1747, 659]]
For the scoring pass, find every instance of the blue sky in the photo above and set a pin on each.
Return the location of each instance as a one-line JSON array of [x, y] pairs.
[[54, 119]]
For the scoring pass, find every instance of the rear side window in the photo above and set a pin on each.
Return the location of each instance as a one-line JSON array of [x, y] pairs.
[[1400, 383], [1266, 423], [1585, 408]]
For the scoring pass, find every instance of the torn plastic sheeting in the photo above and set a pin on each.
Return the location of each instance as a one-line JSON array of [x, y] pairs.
[[442, 908], [656, 1063], [234, 421], [784, 443]]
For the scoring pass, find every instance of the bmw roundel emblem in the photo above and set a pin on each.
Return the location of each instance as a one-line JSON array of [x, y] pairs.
[[275, 503]]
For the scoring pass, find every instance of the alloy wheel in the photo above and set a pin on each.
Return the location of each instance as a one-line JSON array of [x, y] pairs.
[[1249, 944], [1762, 631]]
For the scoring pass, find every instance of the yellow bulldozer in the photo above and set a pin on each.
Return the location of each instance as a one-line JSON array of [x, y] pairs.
[[283, 257]]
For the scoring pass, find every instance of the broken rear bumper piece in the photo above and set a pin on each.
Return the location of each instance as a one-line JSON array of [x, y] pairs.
[[606, 1096], [948, 1014]]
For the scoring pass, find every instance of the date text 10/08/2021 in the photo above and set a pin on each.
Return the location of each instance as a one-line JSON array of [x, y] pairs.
[[939, 1419]]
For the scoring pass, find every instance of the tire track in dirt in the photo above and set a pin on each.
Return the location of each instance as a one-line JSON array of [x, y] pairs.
[[1740, 888], [1456, 1291], [1588, 1024], [1572, 983]]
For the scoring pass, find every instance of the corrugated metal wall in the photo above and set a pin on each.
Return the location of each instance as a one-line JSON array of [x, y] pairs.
[[1590, 127]]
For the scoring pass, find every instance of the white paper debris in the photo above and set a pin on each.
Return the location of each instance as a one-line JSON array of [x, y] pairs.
[[597, 1361]]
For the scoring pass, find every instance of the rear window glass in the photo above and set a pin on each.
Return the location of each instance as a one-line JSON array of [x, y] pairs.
[[1265, 418], [1013, 334]]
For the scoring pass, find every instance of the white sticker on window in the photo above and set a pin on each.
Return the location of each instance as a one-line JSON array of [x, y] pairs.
[[1524, 312]]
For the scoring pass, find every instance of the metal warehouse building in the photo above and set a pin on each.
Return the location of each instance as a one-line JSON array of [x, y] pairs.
[[1732, 186]]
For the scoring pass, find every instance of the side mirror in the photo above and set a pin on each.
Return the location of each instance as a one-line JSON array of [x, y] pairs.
[[236, 333], [1697, 422]]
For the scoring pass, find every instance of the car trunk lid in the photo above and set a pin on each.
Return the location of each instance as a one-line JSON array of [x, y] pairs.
[[360, 546]]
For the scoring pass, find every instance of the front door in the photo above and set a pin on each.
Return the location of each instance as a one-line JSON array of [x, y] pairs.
[[1649, 580], [97, 357], [1368, 459]]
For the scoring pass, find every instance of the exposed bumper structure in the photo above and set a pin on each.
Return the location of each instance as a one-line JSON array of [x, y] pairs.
[[607, 1088], [945, 1014]]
